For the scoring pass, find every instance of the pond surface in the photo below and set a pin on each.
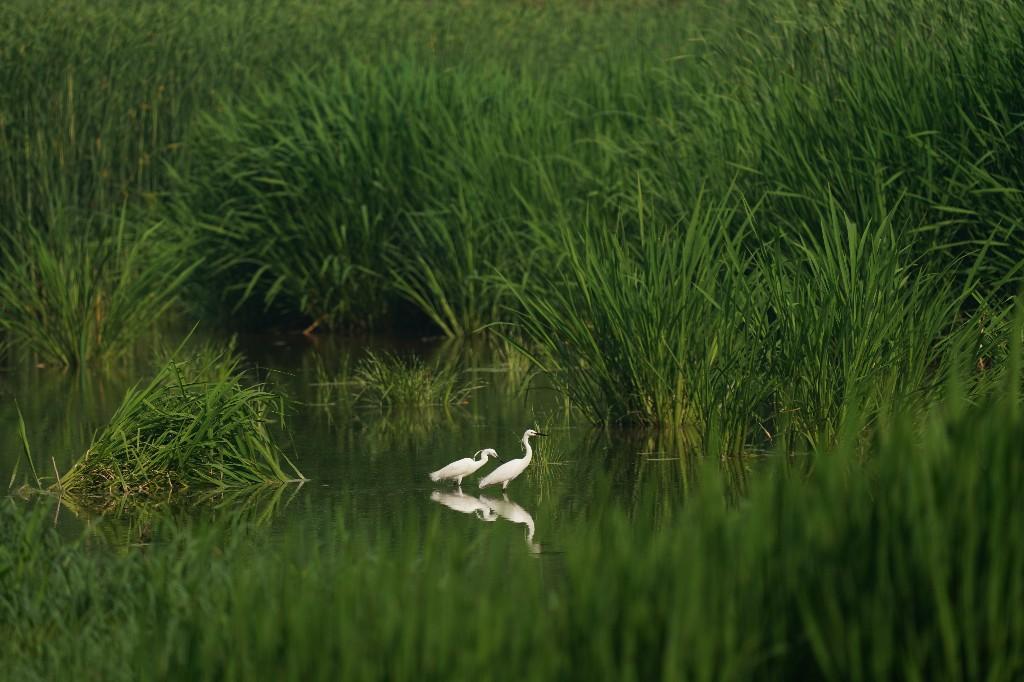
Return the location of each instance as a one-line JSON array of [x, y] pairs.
[[367, 468]]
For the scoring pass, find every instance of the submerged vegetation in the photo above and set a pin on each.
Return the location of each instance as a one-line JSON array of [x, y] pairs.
[[195, 426], [389, 380]]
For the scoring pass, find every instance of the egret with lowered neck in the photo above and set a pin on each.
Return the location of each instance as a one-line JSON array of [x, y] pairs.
[[459, 469], [508, 471]]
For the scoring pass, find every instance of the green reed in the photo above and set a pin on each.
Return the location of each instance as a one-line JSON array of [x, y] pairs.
[[645, 324], [197, 425], [858, 320], [332, 193], [472, 184], [139, 94], [77, 293], [854, 111], [326, 183]]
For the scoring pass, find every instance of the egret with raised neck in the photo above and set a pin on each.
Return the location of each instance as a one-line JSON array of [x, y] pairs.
[[508, 471]]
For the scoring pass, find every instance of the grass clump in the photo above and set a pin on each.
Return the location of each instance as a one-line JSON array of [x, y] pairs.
[[78, 294], [197, 425], [389, 380], [857, 320], [644, 324]]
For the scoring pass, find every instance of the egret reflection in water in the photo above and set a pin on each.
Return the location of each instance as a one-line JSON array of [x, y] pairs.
[[489, 509], [467, 504], [509, 510]]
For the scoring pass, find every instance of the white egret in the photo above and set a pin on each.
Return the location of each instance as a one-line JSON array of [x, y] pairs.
[[508, 471], [507, 509], [467, 504], [459, 469]]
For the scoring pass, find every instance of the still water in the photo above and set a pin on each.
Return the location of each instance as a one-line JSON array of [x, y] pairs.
[[366, 465]]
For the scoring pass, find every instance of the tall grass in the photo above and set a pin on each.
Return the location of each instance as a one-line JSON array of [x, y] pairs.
[[196, 425], [77, 293], [894, 561], [858, 320], [648, 325], [329, 183], [116, 116], [884, 102], [687, 327], [334, 192]]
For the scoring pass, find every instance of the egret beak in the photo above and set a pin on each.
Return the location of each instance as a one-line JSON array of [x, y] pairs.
[[538, 433]]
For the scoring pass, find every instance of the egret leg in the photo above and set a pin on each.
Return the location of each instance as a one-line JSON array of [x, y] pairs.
[[458, 483], [504, 486]]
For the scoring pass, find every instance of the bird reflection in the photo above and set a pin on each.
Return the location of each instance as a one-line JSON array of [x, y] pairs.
[[467, 504], [507, 509], [489, 509]]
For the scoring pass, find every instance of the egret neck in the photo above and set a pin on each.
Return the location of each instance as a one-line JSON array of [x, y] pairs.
[[526, 445]]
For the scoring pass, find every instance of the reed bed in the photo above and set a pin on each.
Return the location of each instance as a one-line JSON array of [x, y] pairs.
[[632, 326], [489, 164], [76, 293], [860, 321]]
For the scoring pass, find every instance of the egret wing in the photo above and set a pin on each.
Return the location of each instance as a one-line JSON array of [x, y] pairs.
[[501, 474], [454, 470]]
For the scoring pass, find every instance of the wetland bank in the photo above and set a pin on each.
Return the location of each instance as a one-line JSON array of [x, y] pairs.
[[753, 267]]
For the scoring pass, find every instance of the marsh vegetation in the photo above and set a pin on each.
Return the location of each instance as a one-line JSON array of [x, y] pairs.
[[196, 424], [754, 265]]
